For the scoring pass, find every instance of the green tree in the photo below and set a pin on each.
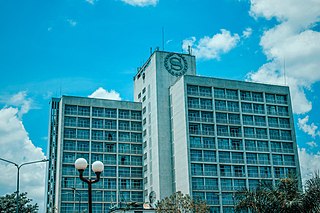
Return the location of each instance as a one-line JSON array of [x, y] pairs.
[[180, 203], [285, 197], [8, 204]]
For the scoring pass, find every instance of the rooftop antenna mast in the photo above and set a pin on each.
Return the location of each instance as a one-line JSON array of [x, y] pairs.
[[163, 38], [284, 71]]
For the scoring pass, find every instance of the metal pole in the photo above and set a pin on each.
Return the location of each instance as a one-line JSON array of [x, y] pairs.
[[18, 176], [18, 185], [90, 196]]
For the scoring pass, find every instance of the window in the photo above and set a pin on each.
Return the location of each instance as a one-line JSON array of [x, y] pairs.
[[258, 108], [69, 133], [222, 130], [236, 144], [110, 124], [193, 115], [283, 111], [246, 107], [257, 96], [82, 110], [220, 105], [247, 119], [226, 184], [234, 118], [252, 171], [207, 129], [273, 122], [250, 145], [124, 125], [284, 122], [276, 147], [192, 90], [263, 158], [281, 99], [232, 94], [70, 110], [70, 121], [239, 184], [205, 91], [221, 117], [245, 95], [219, 93], [195, 142], [207, 117], [270, 98], [124, 114], [97, 123], [208, 143], [205, 103], [274, 134], [110, 113], [197, 183], [249, 132], [82, 134], [235, 131], [261, 133], [251, 158], [233, 106], [237, 157], [224, 157], [225, 171], [209, 169], [211, 183], [238, 171], [97, 112], [209, 156], [193, 103], [272, 110], [265, 172], [263, 146], [97, 135], [223, 143], [260, 120], [196, 155], [197, 169]]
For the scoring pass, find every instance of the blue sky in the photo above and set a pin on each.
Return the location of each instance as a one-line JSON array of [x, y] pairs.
[[74, 47]]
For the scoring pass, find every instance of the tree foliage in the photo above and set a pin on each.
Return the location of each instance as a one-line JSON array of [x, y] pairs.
[[180, 203], [8, 204], [285, 197]]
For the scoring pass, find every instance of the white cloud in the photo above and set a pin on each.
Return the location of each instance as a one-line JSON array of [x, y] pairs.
[[212, 47], [310, 129], [20, 101], [72, 22], [312, 144], [141, 3], [309, 163], [104, 94], [91, 1], [293, 44], [16, 146], [247, 32]]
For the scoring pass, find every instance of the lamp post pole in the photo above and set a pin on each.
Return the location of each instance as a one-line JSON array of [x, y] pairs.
[[18, 176], [81, 164]]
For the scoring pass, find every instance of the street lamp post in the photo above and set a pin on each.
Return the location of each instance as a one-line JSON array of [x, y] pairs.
[[81, 164], [18, 175]]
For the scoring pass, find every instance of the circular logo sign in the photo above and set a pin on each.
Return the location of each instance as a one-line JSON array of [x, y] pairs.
[[176, 64]]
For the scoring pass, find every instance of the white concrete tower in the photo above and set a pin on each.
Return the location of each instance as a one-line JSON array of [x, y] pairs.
[[151, 87]]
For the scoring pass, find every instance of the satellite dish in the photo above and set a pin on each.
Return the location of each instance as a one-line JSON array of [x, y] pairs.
[[146, 206], [152, 197]]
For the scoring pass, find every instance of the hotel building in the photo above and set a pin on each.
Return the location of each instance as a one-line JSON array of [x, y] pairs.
[[204, 136]]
